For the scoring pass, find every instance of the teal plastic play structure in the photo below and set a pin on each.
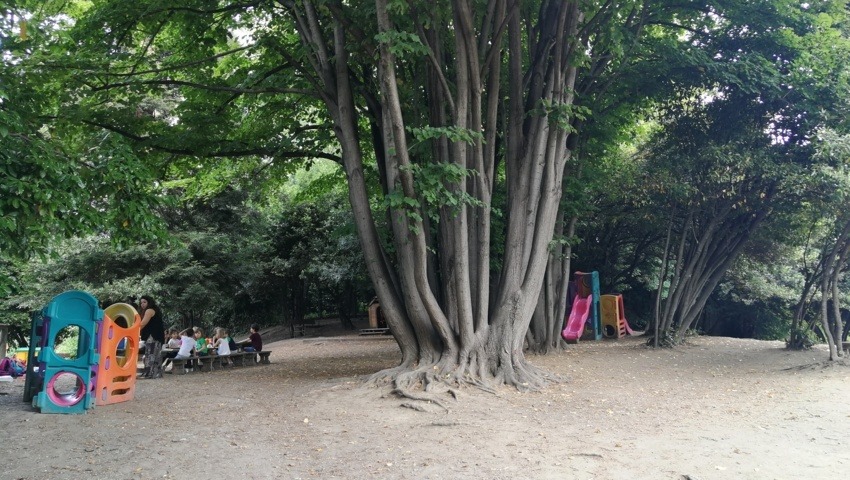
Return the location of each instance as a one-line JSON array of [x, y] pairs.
[[63, 383]]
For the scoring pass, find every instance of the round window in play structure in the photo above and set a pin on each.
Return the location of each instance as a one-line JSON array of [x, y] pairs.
[[124, 350], [66, 389], [70, 342]]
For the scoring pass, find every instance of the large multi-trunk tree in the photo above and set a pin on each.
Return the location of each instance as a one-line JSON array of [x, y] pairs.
[[722, 176], [497, 80]]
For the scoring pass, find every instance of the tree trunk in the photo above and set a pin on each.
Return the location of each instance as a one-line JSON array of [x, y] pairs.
[[345, 305], [662, 278], [811, 275], [797, 337], [840, 264], [544, 333], [833, 264]]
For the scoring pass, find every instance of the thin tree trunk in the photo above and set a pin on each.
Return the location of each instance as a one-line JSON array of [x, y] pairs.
[[564, 283], [829, 287], [669, 306], [836, 297], [661, 279]]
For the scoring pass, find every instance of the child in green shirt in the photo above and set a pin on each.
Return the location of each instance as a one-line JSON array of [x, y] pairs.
[[201, 347]]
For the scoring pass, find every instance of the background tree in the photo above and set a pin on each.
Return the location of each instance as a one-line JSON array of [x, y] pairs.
[[215, 271], [654, 57], [731, 77], [829, 227], [57, 179], [314, 261]]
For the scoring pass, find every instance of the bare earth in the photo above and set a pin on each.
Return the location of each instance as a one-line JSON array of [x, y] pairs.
[[718, 408]]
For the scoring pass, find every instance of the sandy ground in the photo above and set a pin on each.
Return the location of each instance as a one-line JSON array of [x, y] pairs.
[[718, 408]]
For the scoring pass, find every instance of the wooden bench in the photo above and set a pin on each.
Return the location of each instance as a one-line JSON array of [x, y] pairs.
[[248, 359], [374, 331], [251, 358], [206, 363], [178, 365], [209, 363], [238, 359], [217, 362]]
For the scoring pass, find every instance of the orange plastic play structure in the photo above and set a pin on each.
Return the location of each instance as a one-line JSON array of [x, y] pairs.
[[119, 352], [614, 324]]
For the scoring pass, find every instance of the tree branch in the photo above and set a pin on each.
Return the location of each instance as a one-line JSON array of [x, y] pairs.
[[170, 67], [268, 152], [148, 44], [201, 11], [203, 87]]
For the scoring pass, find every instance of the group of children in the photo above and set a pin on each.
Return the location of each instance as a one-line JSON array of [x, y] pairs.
[[191, 342]]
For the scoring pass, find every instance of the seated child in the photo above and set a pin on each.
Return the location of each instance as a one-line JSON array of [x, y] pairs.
[[174, 339], [201, 346], [255, 341], [222, 345], [173, 346], [187, 344]]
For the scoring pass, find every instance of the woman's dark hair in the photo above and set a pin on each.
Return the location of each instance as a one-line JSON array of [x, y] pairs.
[[151, 302]]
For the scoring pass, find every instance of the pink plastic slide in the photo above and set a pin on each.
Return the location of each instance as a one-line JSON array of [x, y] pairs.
[[578, 316]]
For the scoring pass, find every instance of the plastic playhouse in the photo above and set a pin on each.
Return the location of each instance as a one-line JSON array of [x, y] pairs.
[[592, 315], [101, 371], [614, 324]]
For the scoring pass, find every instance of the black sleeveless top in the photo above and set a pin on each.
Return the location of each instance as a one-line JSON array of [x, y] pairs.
[[155, 328]]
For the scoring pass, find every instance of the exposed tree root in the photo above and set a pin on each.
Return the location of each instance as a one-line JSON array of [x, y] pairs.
[[388, 375], [429, 399], [664, 341], [480, 385], [534, 378], [418, 406], [433, 383], [841, 362]]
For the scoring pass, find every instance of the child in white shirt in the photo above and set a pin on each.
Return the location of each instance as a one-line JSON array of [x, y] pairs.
[[174, 341], [187, 344], [222, 345]]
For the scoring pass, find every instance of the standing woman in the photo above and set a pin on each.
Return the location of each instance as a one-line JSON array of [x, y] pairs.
[[153, 334]]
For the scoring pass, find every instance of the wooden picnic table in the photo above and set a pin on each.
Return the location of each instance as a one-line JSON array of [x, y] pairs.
[[213, 361]]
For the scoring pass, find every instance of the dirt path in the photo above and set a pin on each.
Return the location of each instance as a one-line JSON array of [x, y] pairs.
[[718, 408]]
